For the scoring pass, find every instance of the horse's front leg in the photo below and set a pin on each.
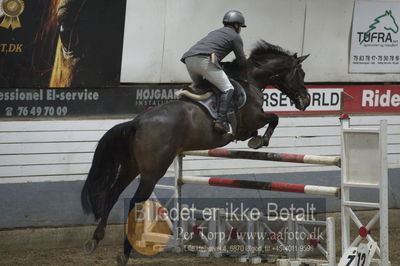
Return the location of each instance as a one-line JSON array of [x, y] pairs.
[[259, 141]]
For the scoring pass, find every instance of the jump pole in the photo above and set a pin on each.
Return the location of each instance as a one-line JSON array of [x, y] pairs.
[[272, 186], [268, 156]]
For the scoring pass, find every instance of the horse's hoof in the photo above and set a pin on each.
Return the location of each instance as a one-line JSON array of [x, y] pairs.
[[256, 142], [122, 260], [90, 246]]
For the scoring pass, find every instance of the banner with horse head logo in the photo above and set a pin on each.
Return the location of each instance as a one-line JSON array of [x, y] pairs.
[[61, 43], [375, 38]]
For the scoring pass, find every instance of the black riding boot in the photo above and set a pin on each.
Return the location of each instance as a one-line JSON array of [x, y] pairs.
[[221, 124]]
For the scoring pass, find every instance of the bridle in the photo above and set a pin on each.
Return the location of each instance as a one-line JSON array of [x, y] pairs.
[[278, 82]]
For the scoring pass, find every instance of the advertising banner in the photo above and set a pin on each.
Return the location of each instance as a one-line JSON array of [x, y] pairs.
[[44, 103], [359, 99], [372, 99], [61, 43], [375, 37], [323, 100], [50, 103]]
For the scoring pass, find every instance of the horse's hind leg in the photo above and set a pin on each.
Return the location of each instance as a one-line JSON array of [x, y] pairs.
[[126, 175], [143, 192]]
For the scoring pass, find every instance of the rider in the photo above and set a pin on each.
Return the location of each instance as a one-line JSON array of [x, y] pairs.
[[203, 60]]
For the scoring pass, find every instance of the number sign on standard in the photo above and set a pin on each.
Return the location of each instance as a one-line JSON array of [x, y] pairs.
[[359, 256]]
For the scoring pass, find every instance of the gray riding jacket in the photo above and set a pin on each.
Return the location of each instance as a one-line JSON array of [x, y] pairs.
[[220, 42]]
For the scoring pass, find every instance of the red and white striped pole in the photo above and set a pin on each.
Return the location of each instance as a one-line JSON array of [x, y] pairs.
[[273, 186], [268, 156]]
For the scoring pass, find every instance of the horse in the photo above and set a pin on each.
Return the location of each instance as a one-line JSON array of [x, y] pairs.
[[148, 144]]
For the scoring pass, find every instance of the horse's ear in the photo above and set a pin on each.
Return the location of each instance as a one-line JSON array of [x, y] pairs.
[[302, 58]]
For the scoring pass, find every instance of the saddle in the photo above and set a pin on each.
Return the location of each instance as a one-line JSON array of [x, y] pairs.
[[207, 98]]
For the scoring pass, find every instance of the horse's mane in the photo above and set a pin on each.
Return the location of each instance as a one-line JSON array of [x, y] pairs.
[[264, 48], [259, 54]]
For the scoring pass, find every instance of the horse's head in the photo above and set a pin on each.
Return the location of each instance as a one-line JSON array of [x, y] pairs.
[[79, 27], [389, 22], [88, 42], [271, 65]]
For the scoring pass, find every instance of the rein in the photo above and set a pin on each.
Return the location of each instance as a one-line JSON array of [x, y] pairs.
[[277, 82]]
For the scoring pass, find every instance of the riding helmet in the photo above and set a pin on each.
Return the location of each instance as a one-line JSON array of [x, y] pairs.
[[231, 17]]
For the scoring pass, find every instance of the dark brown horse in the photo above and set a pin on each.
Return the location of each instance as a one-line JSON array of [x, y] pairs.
[[148, 144]]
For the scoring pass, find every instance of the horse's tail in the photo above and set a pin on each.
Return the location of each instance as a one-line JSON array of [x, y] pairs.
[[111, 152]]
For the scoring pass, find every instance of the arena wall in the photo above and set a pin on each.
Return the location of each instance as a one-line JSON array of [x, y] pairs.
[[158, 32], [43, 165]]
